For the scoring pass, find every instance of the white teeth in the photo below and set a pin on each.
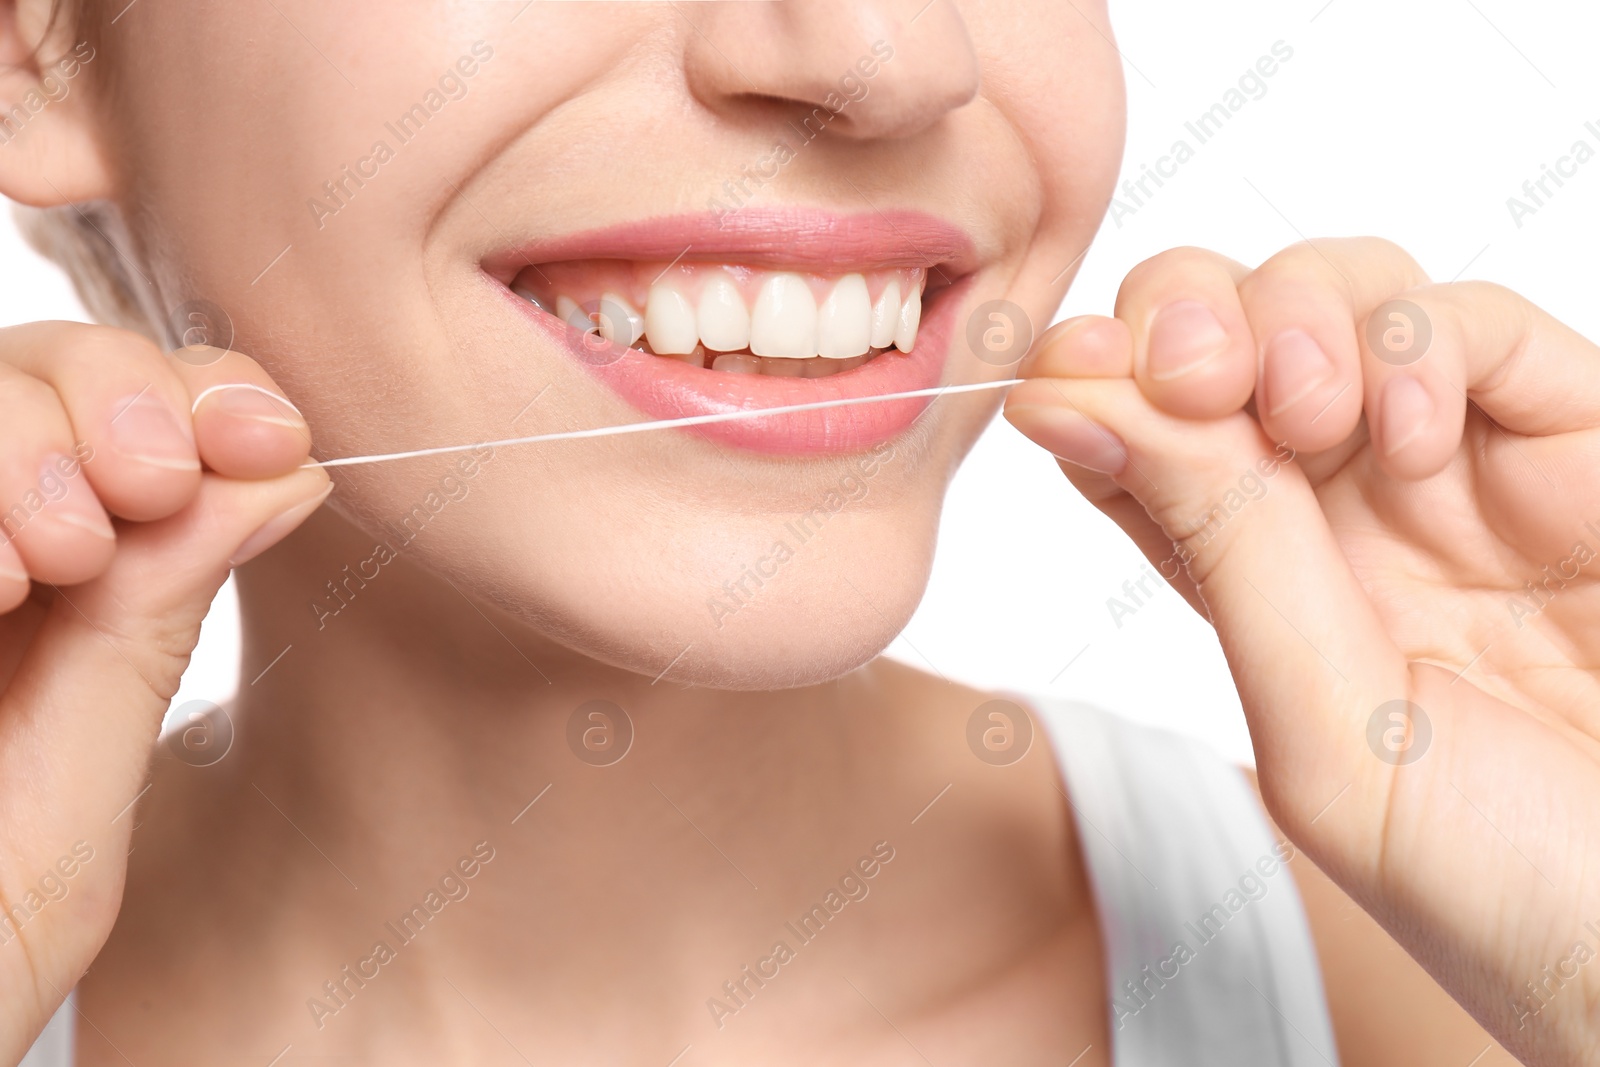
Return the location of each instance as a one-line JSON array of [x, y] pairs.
[[785, 325], [844, 322], [905, 334], [619, 322], [669, 322], [568, 311], [697, 358], [737, 363], [785, 368], [784, 322], [886, 315], [723, 321], [531, 297]]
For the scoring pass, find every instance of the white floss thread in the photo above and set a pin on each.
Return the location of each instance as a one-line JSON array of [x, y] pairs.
[[664, 424]]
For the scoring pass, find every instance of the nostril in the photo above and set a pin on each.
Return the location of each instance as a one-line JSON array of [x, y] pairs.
[[854, 69]]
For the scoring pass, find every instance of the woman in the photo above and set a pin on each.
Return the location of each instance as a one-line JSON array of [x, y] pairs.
[[581, 751]]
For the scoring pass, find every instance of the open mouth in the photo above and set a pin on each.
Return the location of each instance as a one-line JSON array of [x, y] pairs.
[[735, 319], [701, 314]]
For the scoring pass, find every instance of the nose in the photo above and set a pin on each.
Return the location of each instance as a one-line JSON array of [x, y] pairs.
[[861, 69]]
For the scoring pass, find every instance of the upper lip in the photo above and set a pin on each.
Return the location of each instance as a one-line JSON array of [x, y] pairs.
[[803, 239]]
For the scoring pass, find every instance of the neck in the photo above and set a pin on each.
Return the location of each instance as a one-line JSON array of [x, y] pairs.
[[392, 740]]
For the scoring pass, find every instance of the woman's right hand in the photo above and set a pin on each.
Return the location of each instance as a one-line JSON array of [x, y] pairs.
[[131, 481]]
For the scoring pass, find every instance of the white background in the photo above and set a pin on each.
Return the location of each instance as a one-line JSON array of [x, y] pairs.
[[1414, 121]]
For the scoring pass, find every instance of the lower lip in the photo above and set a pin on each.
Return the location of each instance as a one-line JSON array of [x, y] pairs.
[[667, 388]]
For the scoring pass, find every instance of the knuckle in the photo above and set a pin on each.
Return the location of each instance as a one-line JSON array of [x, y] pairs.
[[1455, 303], [1478, 294], [1376, 249], [156, 652], [1459, 306], [97, 350], [1297, 264], [21, 392], [1325, 251], [95, 347], [1331, 264], [1183, 262]]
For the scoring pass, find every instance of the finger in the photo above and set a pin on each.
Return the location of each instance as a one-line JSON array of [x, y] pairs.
[[1089, 346], [84, 706], [48, 511], [1093, 346], [1528, 371], [1193, 354], [1149, 538], [1043, 409], [1415, 387], [14, 581], [132, 621], [126, 407], [121, 641], [245, 426], [1302, 640], [1304, 305]]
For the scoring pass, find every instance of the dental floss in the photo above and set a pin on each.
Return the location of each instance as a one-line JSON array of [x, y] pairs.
[[663, 424]]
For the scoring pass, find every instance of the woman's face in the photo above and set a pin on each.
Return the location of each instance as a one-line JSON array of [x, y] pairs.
[[373, 192]]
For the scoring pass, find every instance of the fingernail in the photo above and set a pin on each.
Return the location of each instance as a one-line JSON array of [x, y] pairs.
[[1292, 368], [245, 401], [76, 506], [277, 528], [1185, 335], [145, 429], [1407, 407], [1070, 436]]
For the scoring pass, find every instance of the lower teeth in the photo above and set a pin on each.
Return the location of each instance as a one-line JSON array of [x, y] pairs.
[[748, 363]]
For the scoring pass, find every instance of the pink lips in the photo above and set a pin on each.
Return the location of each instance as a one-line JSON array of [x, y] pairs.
[[800, 240]]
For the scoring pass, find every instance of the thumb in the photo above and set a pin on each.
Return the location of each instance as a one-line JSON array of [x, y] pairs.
[[86, 700], [1307, 649]]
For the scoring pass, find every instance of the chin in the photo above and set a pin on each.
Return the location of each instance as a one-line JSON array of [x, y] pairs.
[[762, 609]]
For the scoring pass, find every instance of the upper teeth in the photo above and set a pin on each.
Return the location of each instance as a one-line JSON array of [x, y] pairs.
[[669, 321], [784, 322], [886, 316], [692, 306], [844, 322], [722, 321]]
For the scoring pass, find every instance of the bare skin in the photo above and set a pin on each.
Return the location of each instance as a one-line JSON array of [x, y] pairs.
[[657, 877], [417, 740], [994, 864]]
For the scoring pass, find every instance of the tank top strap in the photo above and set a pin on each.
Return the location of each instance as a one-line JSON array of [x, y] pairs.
[[54, 1047], [1210, 961]]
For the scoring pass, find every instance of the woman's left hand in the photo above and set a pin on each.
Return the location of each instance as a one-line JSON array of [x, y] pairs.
[[1385, 494]]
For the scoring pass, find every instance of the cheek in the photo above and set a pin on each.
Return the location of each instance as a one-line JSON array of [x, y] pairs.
[[1058, 81]]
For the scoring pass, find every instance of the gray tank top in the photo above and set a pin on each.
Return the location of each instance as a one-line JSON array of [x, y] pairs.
[[1209, 960]]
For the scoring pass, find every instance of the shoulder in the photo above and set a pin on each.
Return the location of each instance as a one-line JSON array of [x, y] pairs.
[[1386, 1010]]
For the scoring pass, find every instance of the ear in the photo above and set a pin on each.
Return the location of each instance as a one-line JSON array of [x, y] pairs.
[[50, 148]]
